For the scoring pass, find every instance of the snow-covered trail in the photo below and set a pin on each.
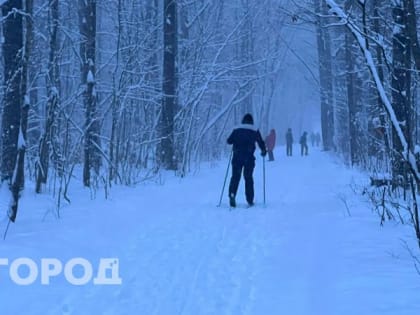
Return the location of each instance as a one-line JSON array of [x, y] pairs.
[[180, 254]]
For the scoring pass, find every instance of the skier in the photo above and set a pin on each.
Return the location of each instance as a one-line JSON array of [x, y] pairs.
[[243, 139], [303, 144], [289, 142], [270, 141]]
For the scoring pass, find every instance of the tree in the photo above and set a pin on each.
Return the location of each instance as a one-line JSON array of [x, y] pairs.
[[325, 76], [53, 79], [169, 85], [87, 24], [245, 51], [353, 95], [411, 30], [401, 84], [14, 105]]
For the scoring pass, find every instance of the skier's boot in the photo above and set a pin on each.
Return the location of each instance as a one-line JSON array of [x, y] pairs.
[[232, 201]]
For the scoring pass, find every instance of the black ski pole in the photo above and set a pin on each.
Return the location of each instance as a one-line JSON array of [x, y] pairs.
[[264, 178], [7, 229], [224, 183]]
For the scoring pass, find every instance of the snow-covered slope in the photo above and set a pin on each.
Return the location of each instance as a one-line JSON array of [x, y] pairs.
[[180, 254]]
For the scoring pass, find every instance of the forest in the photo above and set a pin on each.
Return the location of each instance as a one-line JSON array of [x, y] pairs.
[[114, 92]]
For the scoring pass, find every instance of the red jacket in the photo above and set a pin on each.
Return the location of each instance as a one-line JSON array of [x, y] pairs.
[[270, 141]]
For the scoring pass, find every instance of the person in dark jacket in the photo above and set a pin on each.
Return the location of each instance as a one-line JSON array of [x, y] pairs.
[[270, 141], [243, 139], [289, 142], [304, 144]]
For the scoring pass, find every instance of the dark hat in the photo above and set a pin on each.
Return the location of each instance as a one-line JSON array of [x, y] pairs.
[[248, 119]]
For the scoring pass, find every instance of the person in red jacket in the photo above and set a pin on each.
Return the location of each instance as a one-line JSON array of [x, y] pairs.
[[270, 142]]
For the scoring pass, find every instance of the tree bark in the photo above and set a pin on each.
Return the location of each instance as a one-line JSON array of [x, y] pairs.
[[13, 97], [15, 109], [411, 27], [87, 24], [325, 76], [401, 86], [169, 85], [53, 98]]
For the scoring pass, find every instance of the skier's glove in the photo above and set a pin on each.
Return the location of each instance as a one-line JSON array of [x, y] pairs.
[[263, 153]]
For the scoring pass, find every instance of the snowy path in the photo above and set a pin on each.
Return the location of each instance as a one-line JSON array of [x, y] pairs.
[[302, 254]]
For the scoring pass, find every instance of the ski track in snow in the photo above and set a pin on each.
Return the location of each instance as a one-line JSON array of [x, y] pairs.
[[180, 254]]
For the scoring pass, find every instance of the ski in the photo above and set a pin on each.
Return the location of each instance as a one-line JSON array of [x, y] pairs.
[[242, 206]]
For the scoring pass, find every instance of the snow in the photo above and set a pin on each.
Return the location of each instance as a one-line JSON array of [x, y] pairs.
[[21, 140], [54, 91], [376, 122], [90, 77], [180, 254]]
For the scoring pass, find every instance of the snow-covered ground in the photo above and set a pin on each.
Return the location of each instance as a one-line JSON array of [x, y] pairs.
[[180, 254]]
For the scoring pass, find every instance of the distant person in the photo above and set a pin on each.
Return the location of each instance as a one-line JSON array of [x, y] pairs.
[[243, 139], [317, 139], [270, 142], [289, 142], [313, 138], [304, 144]]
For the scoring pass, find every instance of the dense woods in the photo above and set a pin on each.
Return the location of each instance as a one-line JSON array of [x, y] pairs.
[[373, 46], [103, 93], [114, 92]]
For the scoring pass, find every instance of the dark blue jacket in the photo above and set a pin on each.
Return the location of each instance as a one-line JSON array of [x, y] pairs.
[[289, 137], [243, 139]]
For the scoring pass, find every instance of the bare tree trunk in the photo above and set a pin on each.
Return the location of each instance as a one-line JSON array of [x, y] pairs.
[[16, 102], [169, 85], [246, 51], [13, 98], [87, 24], [411, 25], [325, 75], [401, 86], [28, 43], [380, 135], [53, 98], [113, 158], [12, 50], [351, 97]]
